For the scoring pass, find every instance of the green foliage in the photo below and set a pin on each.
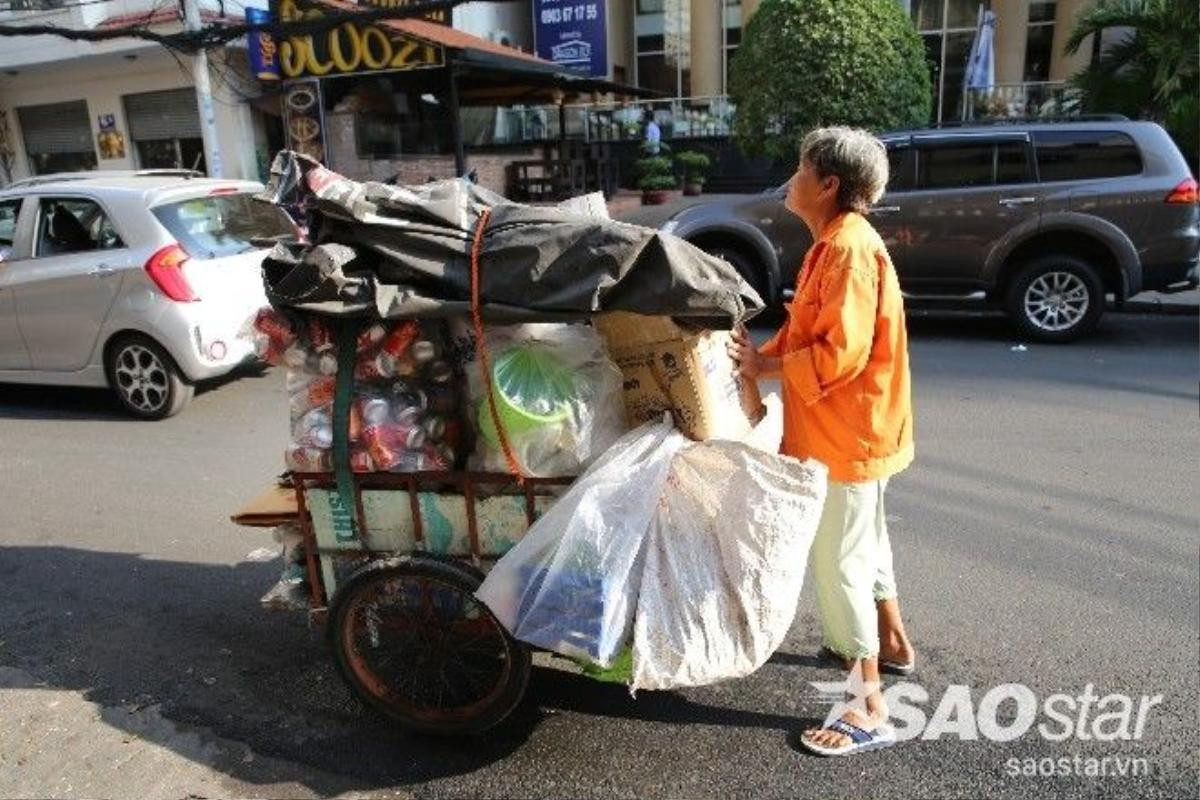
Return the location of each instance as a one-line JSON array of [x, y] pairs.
[[695, 165], [807, 63], [1152, 72], [656, 183], [655, 173]]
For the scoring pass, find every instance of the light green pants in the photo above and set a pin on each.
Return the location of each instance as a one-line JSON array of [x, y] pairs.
[[851, 565]]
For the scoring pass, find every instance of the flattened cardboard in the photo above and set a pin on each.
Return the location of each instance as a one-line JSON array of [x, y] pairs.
[[275, 506], [668, 368]]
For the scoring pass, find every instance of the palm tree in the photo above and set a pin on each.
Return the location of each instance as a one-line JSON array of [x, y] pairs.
[[1152, 72]]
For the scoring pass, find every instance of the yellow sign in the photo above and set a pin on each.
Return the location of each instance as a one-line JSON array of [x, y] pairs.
[[349, 48]]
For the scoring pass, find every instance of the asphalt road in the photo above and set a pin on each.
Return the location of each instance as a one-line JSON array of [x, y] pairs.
[[1045, 536]]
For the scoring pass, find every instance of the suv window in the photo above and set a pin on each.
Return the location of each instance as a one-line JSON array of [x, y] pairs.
[[1080, 155], [9, 209], [954, 165], [222, 225], [899, 168], [73, 225]]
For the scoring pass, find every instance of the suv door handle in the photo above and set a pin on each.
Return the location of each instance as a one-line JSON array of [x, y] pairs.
[[885, 209], [1017, 201], [102, 271]]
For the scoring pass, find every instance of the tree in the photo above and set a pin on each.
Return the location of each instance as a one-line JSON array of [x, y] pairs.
[[1151, 71], [806, 63]]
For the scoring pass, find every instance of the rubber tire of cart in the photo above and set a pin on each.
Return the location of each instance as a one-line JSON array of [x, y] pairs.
[[448, 571]]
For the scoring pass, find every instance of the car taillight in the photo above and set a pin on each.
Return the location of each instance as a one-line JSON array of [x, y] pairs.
[[165, 268], [1185, 192]]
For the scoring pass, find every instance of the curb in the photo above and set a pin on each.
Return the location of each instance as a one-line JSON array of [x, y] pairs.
[[1155, 307]]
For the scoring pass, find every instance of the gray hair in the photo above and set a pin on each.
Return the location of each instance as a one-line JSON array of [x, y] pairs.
[[857, 158]]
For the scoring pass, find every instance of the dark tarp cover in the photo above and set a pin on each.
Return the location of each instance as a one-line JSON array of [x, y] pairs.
[[404, 251]]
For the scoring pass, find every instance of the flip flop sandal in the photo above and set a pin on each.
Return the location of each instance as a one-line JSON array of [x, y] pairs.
[[889, 667], [896, 668], [860, 740]]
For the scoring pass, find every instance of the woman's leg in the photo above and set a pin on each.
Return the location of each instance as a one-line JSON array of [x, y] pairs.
[[844, 563], [894, 645]]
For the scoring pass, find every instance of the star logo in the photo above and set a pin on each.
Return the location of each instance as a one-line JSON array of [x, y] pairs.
[[847, 695]]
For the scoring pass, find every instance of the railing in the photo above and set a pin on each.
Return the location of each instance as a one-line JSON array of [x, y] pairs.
[[677, 118], [1022, 100]]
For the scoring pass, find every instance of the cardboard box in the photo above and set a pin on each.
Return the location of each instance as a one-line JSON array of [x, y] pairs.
[[686, 372]]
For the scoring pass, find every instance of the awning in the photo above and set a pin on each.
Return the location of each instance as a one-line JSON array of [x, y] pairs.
[[508, 75]]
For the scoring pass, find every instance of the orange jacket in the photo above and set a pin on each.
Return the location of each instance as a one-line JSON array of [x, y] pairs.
[[844, 349]]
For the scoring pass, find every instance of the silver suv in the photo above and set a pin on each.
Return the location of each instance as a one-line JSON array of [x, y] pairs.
[[1043, 220], [137, 281]]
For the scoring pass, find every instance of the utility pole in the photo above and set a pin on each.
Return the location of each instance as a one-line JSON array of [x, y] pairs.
[[204, 100]]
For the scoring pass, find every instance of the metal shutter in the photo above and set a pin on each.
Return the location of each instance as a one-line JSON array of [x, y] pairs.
[[56, 128], [162, 115]]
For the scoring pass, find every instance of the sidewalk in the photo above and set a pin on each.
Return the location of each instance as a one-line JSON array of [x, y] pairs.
[[1180, 304]]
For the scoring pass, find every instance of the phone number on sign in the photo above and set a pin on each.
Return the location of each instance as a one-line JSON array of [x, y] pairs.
[[575, 13]]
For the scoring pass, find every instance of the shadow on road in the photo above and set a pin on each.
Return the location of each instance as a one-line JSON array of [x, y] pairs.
[[190, 641]]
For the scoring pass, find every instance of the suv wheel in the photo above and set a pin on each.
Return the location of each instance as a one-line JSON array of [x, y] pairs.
[[146, 379], [1056, 299]]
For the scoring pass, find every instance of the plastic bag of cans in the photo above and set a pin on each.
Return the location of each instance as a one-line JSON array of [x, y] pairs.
[[405, 415]]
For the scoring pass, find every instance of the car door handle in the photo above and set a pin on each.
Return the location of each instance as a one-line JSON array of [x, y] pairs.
[[1017, 201], [885, 209], [102, 271]]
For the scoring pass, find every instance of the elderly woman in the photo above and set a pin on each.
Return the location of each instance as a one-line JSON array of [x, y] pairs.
[[843, 359]]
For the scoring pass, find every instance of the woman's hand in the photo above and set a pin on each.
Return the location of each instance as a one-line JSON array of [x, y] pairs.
[[742, 351]]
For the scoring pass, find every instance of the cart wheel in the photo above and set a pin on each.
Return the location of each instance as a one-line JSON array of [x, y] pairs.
[[412, 641]]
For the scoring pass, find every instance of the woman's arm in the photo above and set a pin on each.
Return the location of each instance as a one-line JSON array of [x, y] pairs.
[[844, 329]]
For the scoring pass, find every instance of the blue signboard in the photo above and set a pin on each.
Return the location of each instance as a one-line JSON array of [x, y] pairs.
[[572, 34]]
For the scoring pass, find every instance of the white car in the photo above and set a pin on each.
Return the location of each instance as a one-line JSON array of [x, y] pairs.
[[140, 281]]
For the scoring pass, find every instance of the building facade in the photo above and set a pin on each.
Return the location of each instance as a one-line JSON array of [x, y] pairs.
[[128, 104]]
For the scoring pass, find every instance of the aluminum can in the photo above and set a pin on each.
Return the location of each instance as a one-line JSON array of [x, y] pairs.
[[375, 411], [377, 368], [370, 337], [400, 338], [423, 351], [306, 459], [435, 427], [274, 326]]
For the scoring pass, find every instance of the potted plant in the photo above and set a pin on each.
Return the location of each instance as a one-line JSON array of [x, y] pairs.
[[695, 171], [656, 175]]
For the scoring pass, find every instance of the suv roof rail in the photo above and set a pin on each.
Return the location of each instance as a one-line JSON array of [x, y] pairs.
[[60, 177], [970, 123]]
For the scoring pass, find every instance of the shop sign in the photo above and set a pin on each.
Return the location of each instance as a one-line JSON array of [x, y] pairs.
[[573, 34], [303, 118], [264, 54], [349, 48]]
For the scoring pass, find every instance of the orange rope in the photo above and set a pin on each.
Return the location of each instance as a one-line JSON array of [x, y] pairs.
[[485, 365]]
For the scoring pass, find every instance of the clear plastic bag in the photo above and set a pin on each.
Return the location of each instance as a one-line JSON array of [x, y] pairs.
[[724, 564], [407, 412], [558, 396], [691, 553], [571, 584]]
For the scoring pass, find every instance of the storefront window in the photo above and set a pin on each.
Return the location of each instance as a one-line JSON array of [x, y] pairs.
[[57, 137]]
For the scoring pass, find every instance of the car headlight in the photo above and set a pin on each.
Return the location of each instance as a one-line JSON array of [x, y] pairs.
[[669, 226]]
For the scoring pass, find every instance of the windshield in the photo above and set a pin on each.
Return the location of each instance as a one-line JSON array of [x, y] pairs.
[[222, 225]]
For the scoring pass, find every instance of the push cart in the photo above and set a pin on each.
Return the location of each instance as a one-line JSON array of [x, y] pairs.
[[392, 576]]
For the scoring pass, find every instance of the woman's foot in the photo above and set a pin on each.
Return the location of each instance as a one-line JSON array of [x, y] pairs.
[[853, 732]]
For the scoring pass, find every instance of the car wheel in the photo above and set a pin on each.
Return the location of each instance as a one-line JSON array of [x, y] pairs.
[[745, 267], [146, 379], [1056, 299]]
